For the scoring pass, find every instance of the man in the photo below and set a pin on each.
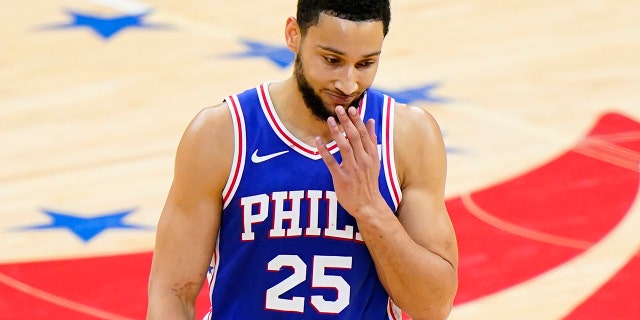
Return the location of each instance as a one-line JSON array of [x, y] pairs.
[[303, 209]]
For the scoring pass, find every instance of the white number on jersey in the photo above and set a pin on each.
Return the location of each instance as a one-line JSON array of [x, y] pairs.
[[318, 280]]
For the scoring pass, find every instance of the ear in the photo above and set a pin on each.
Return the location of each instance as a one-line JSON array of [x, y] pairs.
[[292, 34]]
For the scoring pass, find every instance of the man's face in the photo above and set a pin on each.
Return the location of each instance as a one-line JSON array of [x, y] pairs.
[[338, 63]]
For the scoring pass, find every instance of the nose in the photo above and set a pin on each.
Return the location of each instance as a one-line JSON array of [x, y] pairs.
[[347, 82]]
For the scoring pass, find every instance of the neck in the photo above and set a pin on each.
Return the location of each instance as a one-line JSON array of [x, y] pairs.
[[293, 113]]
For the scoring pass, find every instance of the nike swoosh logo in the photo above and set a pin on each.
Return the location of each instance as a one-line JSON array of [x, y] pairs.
[[255, 158]]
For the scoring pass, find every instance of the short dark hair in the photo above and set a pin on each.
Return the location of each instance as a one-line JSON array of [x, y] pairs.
[[308, 12]]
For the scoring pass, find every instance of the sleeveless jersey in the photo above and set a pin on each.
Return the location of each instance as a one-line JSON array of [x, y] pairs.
[[286, 249]]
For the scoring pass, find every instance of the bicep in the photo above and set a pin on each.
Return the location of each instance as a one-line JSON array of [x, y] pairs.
[[190, 219], [427, 222], [422, 166], [185, 237]]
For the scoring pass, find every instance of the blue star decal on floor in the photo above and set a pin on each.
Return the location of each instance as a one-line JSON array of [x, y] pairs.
[[281, 56], [421, 93], [86, 228], [106, 27]]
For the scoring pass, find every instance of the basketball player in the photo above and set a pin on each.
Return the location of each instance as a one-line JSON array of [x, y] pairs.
[[310, 198]]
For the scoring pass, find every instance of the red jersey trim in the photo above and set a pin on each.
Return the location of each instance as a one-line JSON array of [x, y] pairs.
[[389, 159], [239, 153], [284, 134]]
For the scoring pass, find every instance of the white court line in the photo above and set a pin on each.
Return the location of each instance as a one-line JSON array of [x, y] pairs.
[[557, 293], [57, 300]]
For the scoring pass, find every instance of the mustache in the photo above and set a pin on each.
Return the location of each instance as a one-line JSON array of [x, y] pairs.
[[356, 97], [339, 93]]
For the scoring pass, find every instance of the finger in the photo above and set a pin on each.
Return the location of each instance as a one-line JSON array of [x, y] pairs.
[[371, 131], [366, 133], [353, 128], [329, 160], [336, 133], [344, 141]]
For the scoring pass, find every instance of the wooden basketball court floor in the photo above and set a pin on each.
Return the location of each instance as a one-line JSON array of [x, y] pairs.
[[92, 108]]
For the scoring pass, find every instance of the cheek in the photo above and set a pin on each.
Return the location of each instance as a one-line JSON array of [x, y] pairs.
[[318, 74], [368, 76]]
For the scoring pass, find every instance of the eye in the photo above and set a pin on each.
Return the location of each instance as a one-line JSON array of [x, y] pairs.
[[331, 60], [365, 64]]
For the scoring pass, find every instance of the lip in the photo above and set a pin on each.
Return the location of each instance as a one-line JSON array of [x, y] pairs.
[[340, 100]]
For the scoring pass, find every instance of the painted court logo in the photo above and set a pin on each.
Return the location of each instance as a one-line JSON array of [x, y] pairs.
[[549, 238]]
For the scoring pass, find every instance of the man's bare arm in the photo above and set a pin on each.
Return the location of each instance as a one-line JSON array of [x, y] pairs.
[[190, 220]]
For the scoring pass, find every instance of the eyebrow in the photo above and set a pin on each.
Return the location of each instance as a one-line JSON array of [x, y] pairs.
[[338, 52]]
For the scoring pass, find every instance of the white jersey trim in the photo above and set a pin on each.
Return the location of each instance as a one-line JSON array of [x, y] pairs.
[[393, 311], [284, 134], [212, 275], [240, 150], [388, 159]]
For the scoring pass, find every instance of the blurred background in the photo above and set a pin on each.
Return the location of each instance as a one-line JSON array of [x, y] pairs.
[[537, 100]]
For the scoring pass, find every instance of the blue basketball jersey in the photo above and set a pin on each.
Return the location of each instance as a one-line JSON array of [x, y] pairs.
[[286, 249]]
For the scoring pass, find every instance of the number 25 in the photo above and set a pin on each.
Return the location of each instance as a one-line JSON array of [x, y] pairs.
[[318, 280]]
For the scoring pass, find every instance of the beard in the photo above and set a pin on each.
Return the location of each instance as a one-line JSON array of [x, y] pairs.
[[313, 101]]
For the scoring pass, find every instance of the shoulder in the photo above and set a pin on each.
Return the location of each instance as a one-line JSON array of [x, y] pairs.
[[417, 122], [206, 148], [210, 126], [419, 146]]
